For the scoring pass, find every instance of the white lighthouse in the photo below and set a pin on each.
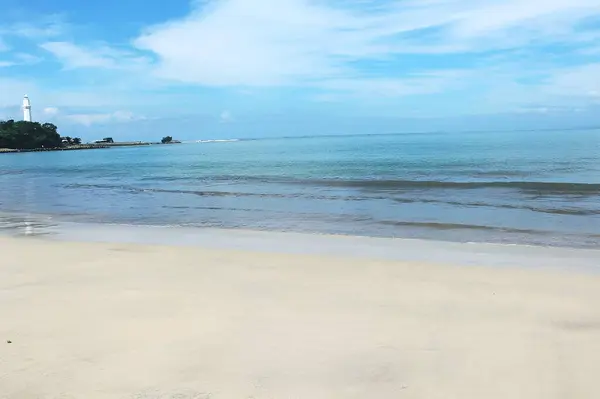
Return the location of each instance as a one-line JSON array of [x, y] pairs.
[[26, 109]]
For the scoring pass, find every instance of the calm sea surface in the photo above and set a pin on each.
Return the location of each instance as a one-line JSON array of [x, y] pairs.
[[519, 187]]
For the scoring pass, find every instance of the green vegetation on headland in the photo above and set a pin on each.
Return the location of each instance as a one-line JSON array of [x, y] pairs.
[[21, 136], [29, 135]]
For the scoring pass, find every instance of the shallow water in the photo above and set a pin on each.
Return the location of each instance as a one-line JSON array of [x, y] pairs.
[[521, 187]]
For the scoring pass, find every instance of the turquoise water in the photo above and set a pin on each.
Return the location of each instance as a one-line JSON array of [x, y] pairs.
[[519, 187]]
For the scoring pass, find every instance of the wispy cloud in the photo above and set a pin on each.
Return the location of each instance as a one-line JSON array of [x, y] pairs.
[[92, 119], [35, 28], [39, 28], [50, 111], [102, 56], [29, 59], [581, 81], [499, 51], [3, 45], [410, 84], [77, 57], [12, 91], [20, 59], [290, 42]]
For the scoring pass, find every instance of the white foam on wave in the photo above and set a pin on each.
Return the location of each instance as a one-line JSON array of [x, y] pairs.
[[217, 141]]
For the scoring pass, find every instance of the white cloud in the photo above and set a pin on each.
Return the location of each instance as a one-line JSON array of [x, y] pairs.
[[292, 42], [336, 49], [4, 64]]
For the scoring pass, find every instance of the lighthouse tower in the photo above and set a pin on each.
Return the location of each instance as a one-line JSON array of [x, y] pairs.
[[26, 109]]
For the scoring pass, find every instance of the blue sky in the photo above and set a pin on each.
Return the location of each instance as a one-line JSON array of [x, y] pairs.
[[243, 68]]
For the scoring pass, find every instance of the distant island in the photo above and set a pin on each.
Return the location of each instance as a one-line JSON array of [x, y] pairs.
[[23, 136]]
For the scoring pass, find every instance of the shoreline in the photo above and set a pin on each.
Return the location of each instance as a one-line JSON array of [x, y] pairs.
[[297, 243], [50, 223], [84, 147], [69, 148], [121, 320]]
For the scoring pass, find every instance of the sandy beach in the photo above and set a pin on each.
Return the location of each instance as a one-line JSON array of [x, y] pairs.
[[108, 320]]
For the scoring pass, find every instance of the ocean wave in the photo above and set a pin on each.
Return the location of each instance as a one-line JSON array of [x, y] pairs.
[[459, 226], [11, 172], [530, 186], [526, 206], [200, 193], [556, 211], [402, 184]]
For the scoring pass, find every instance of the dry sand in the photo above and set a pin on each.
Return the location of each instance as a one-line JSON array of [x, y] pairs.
[[94, 320]]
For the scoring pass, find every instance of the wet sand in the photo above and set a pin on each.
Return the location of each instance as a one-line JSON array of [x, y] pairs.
[[108, 320]]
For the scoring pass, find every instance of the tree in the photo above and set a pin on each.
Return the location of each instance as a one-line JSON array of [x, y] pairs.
[[7, 125], [28, 135], [76, 141], [50, 127], [108, 140], [166, 140]]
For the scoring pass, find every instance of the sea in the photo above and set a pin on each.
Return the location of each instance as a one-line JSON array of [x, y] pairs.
[[520, 187]]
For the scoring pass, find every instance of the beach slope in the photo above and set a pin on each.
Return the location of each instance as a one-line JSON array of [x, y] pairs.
[[100, 320]]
